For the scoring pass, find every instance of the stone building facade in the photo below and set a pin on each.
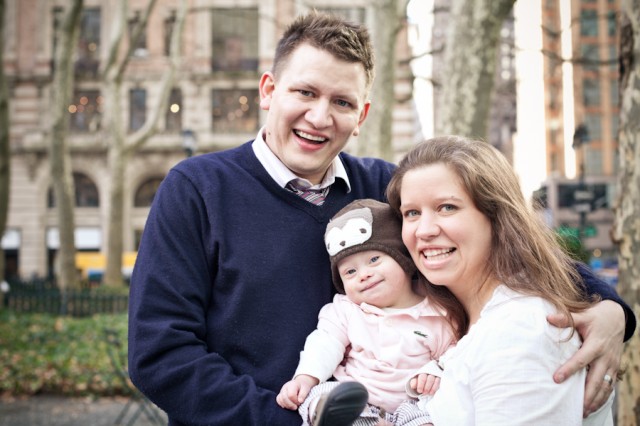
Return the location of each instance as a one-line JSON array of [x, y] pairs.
[[227, 44]]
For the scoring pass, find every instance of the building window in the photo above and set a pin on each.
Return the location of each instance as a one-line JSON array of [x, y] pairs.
[[234, 39], [611, 23], [11, 242], [85, 111], [235, 110], [146, 192], [553, 65], [553, 137], [140, 46], [589, 22], [591, 92], [169, 25], [57, 13], [553, 163], [615, 94], [592, 161], [615, 126], [137, 108], [553, 95], [86, 192], [594, 126], [173, 115], [88, 51], [590, 57], [613, 57]]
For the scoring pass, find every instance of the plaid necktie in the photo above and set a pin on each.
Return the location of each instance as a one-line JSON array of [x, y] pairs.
[[314, 196]]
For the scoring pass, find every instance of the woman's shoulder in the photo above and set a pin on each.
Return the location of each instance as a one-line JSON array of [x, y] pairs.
[[511, 317], [508, 302]]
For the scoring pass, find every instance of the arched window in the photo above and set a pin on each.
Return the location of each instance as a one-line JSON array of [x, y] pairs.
[[86, 192], [146, 192]]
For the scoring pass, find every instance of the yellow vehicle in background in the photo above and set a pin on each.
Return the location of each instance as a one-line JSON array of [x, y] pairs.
[[91, 265]]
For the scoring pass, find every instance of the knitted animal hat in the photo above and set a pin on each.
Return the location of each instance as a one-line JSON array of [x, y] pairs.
[[365, 225]]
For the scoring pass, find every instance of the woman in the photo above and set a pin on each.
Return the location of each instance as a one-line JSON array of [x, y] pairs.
[[473, 237]]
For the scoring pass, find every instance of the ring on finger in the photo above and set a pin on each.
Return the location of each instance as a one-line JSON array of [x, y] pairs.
[[607, 378]]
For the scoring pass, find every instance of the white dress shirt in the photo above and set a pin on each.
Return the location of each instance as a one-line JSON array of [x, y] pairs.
[[282, 175], [501, 372]]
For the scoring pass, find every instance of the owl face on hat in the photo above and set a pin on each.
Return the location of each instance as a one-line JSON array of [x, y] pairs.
[[365, 225], [351, 229]]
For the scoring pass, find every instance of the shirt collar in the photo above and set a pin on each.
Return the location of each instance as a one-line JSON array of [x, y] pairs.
[[422, 309], [282, 175]]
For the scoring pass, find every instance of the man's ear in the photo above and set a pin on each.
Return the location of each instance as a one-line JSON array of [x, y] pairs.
[[267, 86], [363, 116]]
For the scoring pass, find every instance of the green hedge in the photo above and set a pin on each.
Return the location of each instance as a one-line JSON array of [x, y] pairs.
[[42, 353]]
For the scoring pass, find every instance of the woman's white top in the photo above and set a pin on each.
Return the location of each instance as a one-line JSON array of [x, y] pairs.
[[501, 372]]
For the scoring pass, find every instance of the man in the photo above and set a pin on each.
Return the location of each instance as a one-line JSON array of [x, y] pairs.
[[232, 271]]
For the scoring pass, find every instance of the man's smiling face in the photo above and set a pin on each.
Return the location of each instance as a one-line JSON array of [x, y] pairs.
[[315, 104]]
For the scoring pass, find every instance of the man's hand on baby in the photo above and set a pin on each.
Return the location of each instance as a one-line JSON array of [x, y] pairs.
[[294, 392], [425, 384]]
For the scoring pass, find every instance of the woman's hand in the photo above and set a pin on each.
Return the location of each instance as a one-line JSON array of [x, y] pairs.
[[602, 330]]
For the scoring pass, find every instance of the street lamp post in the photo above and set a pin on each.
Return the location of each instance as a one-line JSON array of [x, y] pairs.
[[189, 142], [583, 196]]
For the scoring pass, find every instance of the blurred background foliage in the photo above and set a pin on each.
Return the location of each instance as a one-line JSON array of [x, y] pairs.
[[573, 247], [42, 353]]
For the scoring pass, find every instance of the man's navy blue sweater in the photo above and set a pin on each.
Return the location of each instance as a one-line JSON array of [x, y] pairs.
[[229, 279]]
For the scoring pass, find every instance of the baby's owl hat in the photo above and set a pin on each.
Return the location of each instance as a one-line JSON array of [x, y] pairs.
[[365, 225]]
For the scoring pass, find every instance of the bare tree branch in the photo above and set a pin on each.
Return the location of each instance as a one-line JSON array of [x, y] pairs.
[[137, 32], [138, 138], [436, 51], [580, 60]]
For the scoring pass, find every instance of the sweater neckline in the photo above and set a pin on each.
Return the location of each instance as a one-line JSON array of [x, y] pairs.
[[319, 212]]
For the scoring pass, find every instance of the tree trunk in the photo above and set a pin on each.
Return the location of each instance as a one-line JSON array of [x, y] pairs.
[[626, 230], [59, 154], [115, 243], [5, 162], [117, 169], [470, 63], [375, 136], [123, 147]]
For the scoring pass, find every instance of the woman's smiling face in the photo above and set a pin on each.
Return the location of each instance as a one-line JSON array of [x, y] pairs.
[[448, 237]]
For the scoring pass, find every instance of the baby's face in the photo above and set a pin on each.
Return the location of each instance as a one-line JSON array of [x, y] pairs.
[[375, 278]]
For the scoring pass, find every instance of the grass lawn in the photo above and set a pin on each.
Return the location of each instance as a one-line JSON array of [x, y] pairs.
[[41, 353]]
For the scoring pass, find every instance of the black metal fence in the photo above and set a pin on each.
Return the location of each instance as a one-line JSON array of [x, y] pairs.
[[43, 296]]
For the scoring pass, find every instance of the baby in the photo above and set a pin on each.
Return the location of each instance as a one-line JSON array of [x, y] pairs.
[[378, 332]]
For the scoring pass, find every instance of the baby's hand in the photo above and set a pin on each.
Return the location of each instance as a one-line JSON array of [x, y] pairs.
[[295, 391], [425, 384]]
